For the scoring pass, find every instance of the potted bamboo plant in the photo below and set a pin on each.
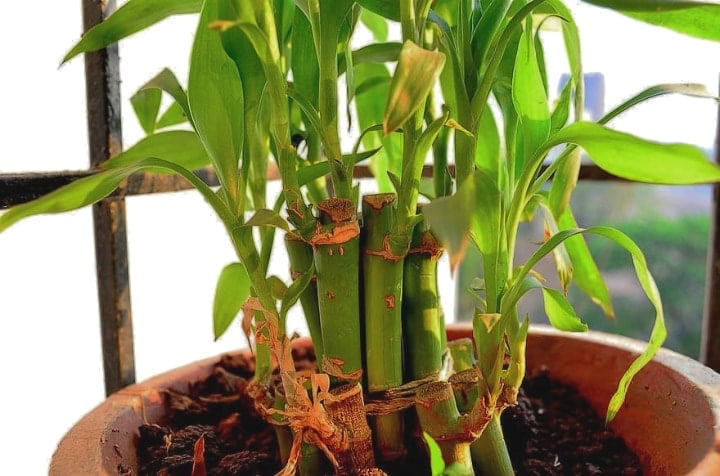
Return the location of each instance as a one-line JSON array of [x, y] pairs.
[[466, 90]]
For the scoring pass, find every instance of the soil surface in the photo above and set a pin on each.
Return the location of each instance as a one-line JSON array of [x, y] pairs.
[[552, 431]]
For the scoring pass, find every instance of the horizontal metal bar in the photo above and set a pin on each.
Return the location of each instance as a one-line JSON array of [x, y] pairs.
[[23, 187]]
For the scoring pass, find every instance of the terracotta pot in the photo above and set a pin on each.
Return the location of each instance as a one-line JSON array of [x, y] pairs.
[[671, 417]]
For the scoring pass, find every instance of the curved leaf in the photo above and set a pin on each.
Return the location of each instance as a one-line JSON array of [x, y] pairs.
[[166, 81], [146, 104], [389, 9], [267, 217], [560, 312], [232, 288], [132, 17], [183, 148], [659, 331], [637, 159], [697, 18]]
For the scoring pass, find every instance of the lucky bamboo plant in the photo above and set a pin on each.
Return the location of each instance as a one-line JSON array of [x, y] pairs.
[[463, 87]]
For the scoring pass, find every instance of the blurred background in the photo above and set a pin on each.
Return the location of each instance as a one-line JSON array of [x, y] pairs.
[[50, 356]]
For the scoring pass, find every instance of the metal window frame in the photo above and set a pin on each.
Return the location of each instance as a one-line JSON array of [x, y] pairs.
[[102, 78]]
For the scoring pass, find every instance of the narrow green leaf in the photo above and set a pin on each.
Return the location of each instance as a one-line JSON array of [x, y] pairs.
[[215, 97], [659, 331], [529, 97], [173, 116], [183, 148], [92, 189], [563, 264], [687, 89], [80, 193], [417, 71], [563, 182], [233, 288], [146, 104], [637, 159], [166, 81], [389, 9], [267, 217], [586, 274], [560, 313], [437, 464], [130, 18], [698, 18], [375, 23]]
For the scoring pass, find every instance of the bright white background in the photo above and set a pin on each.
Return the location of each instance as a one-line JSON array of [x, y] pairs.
[[50, 357]]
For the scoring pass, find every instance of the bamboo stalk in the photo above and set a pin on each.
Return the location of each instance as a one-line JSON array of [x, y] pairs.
[[382, 288], [336, 245], [439, 416], [489, 452], [423, 324]]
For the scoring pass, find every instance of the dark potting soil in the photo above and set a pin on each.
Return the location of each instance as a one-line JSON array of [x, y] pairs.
[[552, 431]]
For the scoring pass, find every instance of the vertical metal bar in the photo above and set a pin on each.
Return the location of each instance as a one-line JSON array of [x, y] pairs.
[[710, 343], [102, 79]]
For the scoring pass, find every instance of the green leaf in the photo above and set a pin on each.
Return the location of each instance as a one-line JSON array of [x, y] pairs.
[[183, 148], [659, 331], [166, 81], [132, 17], [233, 288], [172, 116], [389, 9], [375, 23], [146, 104], [416, 73], [585, 271], [698, 18], [215, 97], [529, 97], [92, 189], [687, 89], [560, 313], [637, 159], [267, 217], [437, 464]]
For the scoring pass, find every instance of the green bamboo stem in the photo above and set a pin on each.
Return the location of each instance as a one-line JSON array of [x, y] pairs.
[[489, 452], [382, 288], [300, 255], [336, 245], [440, 417], [423, 324]]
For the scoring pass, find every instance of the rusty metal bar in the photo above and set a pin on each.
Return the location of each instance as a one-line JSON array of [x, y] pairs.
[[102, 82], [710, 335], [21, 188]]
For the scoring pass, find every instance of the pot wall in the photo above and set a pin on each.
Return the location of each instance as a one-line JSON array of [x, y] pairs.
[[671, 417]]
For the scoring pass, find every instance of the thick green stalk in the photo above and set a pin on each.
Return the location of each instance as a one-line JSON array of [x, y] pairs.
[[336, 245], [423, 323], [489, 452], [300, 255], [382, 288], [439, 417]]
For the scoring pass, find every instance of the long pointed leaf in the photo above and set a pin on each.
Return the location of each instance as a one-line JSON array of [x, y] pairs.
[[232, 288], [132, 17], [183, 148], [560, 312], [215, 97], [637, 159]]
